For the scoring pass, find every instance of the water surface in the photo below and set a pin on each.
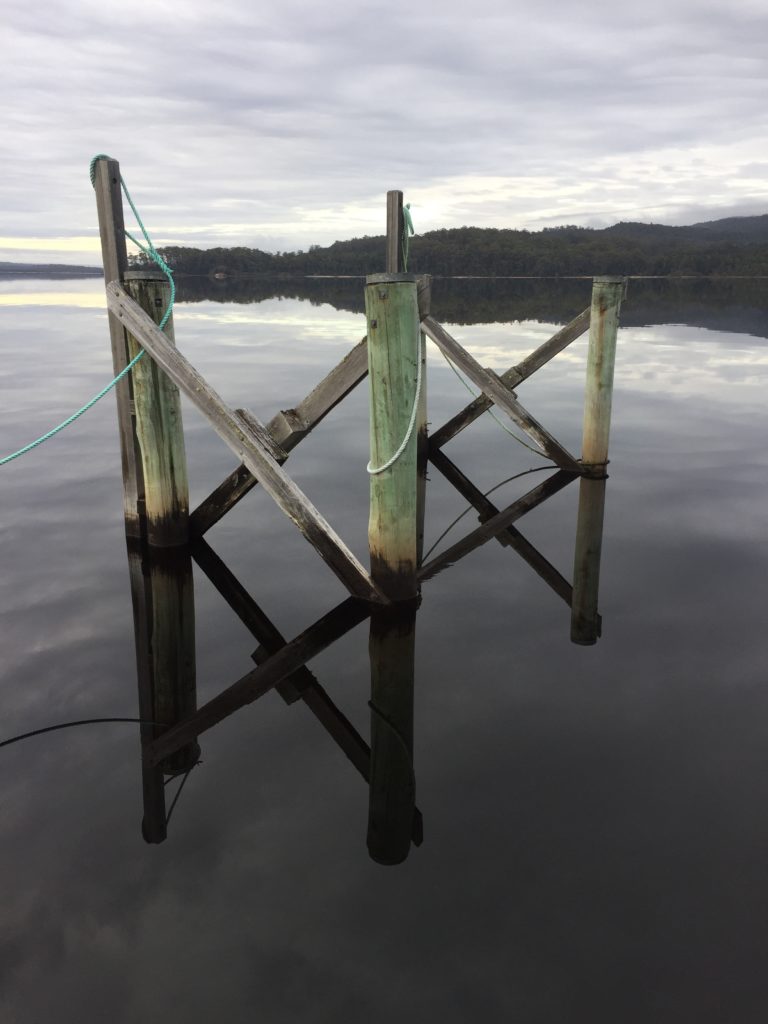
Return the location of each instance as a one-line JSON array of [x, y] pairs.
[[595, 837]]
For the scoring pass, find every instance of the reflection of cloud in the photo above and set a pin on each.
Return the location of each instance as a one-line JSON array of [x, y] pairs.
[[83, 300]]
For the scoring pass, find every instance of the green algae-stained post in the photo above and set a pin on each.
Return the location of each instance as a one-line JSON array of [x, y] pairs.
[[159, 427], [607, 293], [394, 355]]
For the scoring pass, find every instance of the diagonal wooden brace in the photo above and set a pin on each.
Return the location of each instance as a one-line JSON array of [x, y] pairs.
[[514, 375], [492, 385], [287, 428], [238, 435]]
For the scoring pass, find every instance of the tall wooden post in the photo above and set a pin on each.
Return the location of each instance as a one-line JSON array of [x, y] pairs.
[[424, 299], [394, 356], [607, 293], [159, 427], [392, 793], [395, 227], [164, 621], [109, 205]]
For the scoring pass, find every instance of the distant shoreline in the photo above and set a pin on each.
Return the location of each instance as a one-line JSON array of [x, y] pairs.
[[47, 270]]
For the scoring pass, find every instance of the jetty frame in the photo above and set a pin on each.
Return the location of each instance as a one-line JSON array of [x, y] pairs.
[[392, 355]]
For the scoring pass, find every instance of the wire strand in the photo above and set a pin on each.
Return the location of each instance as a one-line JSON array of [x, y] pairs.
[[71, 725], [537, 469]]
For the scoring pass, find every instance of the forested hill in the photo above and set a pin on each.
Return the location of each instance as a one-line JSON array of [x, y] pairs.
[[733, 246]]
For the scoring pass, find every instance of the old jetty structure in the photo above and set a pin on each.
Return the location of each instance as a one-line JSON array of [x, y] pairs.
[[164, 535]]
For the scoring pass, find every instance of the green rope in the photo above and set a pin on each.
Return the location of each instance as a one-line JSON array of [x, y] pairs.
[[148, 250], [408, 230]]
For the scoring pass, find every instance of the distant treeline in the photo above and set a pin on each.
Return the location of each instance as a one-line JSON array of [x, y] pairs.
[[48, 270], [734, 246]]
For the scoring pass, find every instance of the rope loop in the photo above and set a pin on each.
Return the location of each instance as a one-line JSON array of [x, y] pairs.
[[412, 422]]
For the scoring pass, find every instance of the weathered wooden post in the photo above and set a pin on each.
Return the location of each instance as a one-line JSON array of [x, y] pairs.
[[109, 205], [394, 363], [396, 358], [607, 293], [395, 229], [164, 620], [159, 428], [392, 792], [424, 299]]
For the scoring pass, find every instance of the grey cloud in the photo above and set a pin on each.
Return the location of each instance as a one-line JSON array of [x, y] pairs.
[[307, 108]]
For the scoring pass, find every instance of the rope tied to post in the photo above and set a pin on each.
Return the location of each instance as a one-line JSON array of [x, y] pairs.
[[411, 422], [408, 230], [154, 255]]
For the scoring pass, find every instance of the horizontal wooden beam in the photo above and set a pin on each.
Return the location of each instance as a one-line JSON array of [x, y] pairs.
[[287, 428], [514, 375], [236, 433], [491, 385], [499, 522], [261, 680]]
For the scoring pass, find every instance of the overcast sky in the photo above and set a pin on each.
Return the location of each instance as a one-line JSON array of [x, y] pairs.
[[281, 125]]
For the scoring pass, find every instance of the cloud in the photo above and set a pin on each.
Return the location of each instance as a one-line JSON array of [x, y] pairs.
[[296, 120]]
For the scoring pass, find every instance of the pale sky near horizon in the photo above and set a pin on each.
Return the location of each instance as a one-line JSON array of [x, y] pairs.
[[279, 126]]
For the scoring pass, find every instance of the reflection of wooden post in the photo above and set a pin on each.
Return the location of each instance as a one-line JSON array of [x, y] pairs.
[[392, 781], [585, 621], [109, 204], [394, 354], [164, 617], [607, 293], [159, 428]]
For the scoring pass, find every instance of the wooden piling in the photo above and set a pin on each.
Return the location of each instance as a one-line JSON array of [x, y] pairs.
[[395, 228], [585, 620], [159, 428], [607, 293], [392, 792], [394, 354], [424, 300], [109, 205]]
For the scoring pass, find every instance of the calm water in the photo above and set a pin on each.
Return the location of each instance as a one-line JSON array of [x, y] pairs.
[[595, 824]]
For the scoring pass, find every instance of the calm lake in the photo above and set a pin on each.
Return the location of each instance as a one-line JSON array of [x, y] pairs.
[[595, 818]]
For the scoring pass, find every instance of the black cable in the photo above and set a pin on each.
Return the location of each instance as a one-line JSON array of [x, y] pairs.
[[178, 792], [71, 725], [538, 469]]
